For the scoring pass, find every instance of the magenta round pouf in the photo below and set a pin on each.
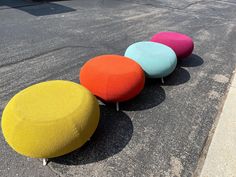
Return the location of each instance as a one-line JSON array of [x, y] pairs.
[[180, 43]]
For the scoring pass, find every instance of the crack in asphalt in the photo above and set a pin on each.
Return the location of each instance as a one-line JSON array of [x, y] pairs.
[[55, 171], [146, 4], [45, 53], [41, 79], [176, 8], [162, 5], [226, 2]]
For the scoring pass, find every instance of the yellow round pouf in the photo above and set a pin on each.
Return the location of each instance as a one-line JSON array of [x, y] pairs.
[[50, 119]]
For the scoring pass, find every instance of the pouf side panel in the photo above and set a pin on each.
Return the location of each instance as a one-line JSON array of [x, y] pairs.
[[126, 86], [170, 61], [178, 47], [52, 138], [182, 44], [157, 64], [30, 139], [131, 52], [98, 73], [86, 127], [37, 142], [93, 82]]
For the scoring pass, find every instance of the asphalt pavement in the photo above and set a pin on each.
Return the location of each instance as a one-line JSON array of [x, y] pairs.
[[164, 130]]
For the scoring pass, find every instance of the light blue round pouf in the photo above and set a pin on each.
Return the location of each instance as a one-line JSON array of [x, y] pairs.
[[157, 60]]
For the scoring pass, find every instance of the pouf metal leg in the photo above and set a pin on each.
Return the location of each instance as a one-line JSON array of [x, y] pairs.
[[117, 106], [45, 162], [162, 80]]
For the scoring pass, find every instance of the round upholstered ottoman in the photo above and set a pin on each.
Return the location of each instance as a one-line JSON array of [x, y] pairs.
[[157, 60], [50, 119], [112, 78], [180, 43]]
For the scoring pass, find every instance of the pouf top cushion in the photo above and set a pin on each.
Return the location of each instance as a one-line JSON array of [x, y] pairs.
[[112, 78], [182, 44], [50, 119], [157, 60]]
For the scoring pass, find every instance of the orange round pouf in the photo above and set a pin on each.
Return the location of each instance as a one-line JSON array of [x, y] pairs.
[[112, 78]]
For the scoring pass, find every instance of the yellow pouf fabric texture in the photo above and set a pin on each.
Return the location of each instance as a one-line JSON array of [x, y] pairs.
[[50, 119]]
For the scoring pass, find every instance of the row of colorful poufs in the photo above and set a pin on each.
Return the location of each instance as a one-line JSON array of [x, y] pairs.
[[53, 118]]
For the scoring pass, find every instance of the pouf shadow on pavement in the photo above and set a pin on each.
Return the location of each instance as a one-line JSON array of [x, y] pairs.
[[114, 132], [192, 61], [180, 74], [152, 95], [178, 77]]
